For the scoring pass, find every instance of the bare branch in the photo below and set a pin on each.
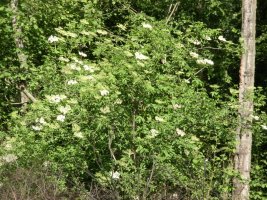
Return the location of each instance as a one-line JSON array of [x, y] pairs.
[[172, 10]]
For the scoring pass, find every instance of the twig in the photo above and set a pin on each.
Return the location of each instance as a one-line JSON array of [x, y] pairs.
[[130, 9], [172, 10], [211, 48], [29, 95], [149, 179], [109, 145], [196, 73]]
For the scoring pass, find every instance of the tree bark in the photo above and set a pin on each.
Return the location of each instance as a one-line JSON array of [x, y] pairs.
[[22, 57], [242, 158]]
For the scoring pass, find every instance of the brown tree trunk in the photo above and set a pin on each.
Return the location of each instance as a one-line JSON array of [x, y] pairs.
[[25, 96], [242, 159]]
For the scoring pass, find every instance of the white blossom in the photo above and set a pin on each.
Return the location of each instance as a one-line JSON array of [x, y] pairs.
[[115, 175], [56, 98], [53, 39], [88, 68], [196, 42], [102, 32], [72, 82], [176, 106], [140, 56], [121, 26], [255, 117], [194, 55], [88, 33], [78, 135], [64, 109], [180, 132], [154, 132], [221, 38], [118, 101], [201, 62], [105, 110], [63, 59], [205, 61], [9, 158], [75, 67], [82, 54], [104, 92], [159, 119], [8, 146], [146, 25], [264, 127], [74, 35], [46, 163], [37, 128], [61, 118], [77, 60], [40, 120], [210, 62], [208, 38]]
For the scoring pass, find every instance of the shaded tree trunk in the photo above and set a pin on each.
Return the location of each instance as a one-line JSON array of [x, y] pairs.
[[242, 159], [25, 96]]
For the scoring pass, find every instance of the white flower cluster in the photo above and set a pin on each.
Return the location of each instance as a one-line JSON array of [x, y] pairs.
[[122, 27], [196, 42], [208, 38], [264, 127], [61, 118], [102, 32], [75, 59], [205, 62], [64, 109], [78, 135], [176, 106], [37, 128], [40, 122], [194, 55], [9, 158], [115, 175], [72, 82], [104, 92], [53, 39], [88, 68], [74, 66], [63, 59], [180, 132], [201, 61], [140, 56], [222, 39], [105, 110], [118, 101], [55, 98], [82, 54], [66, 33], [146, 25], [159, 119], [154, 132]]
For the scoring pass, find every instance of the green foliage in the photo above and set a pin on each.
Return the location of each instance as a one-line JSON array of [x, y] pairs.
[[127, 103]]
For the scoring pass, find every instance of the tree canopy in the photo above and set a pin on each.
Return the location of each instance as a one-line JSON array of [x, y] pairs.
[[126, 99]]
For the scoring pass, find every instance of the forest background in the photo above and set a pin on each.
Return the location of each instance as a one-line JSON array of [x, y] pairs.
[[121, 99]]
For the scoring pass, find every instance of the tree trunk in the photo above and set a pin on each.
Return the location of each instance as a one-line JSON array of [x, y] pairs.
[[22, 57], [242, 158]]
